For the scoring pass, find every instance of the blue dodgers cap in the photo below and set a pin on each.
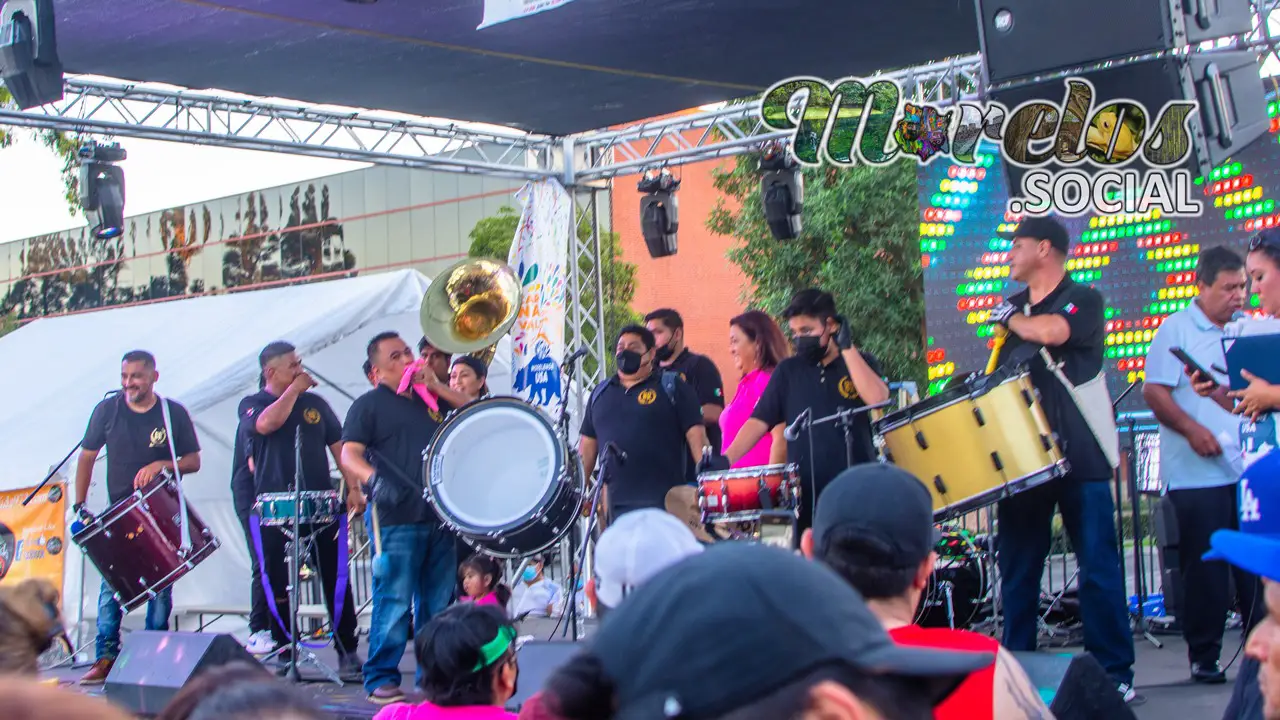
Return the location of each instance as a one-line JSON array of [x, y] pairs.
[[1256, 545]]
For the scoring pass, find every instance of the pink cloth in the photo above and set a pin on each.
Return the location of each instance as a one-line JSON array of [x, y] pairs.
[[427, 711], [739, 410], [486, 599], [427, 396]]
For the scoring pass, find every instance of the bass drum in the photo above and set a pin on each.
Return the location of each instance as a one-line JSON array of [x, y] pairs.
[[497, 475]]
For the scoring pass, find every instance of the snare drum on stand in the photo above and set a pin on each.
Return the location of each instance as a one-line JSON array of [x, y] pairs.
[[758, 503], [498, 475], [975, 443]]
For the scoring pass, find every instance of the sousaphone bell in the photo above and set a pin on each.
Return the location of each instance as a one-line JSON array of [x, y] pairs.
[[470, 306]]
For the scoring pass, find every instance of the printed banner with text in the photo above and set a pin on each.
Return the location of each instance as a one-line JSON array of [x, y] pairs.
[[500, 11], [539, 253], [31, 536]]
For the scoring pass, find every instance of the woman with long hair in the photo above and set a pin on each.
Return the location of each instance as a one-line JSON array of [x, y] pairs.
[[468, 376], [757, 345]]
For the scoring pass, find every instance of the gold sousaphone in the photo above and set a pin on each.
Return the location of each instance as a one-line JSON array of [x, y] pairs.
[[470, 306]]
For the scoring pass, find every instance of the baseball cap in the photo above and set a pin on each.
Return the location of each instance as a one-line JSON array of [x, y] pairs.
[[635, 548], [726, 627], [1256, 545], [1042, 228], [883, 502]]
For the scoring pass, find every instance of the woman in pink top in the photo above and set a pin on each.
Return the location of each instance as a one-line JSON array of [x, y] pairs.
[[756, 345], [468, 657]]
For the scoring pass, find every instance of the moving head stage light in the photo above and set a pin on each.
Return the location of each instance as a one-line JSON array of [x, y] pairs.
[[29, 62], [102, 188], [782, 192], [659, 212]]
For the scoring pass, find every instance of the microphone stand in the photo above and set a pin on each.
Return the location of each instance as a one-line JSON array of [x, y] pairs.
[[1135, 510], [845, 419], [575, 475], [62, 462]]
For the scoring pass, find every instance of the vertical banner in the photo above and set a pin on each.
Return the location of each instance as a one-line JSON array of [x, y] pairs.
[[500, 11], [539, 254], [31, 536]]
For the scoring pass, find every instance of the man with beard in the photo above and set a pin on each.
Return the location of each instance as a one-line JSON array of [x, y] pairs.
[[827, 374], [416, 565], [133, 426]]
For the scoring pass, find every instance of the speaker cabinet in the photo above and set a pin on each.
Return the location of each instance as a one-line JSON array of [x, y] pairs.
[[1021, 38], [1075, 687], [153, 666], [538, 659]]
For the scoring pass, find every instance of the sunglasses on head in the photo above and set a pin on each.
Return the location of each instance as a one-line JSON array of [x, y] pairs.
[[1266, 238]]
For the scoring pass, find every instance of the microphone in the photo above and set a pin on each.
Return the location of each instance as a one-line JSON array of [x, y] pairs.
[[792, 432], [618, 454], [576, 356]]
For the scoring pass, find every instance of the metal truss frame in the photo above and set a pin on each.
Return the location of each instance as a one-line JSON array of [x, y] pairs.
[[108, 107]]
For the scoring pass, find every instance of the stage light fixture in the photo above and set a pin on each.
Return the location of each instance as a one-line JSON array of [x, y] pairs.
[[659, 212], [29, 64], [102, 188], [782, 192]]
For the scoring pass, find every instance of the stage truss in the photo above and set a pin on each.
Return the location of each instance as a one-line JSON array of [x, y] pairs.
[[584, 162]]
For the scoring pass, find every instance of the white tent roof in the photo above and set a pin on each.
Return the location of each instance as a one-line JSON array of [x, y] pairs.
[[206, 350]]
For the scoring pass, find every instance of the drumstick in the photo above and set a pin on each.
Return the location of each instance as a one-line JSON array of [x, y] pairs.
[[377, 531], [996, 344]]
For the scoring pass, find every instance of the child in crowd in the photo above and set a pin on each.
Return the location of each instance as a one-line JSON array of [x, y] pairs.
[[468, 653], [482, 582], [536, 595]]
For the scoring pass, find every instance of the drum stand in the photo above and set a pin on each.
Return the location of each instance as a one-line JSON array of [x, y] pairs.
[[296, 650]]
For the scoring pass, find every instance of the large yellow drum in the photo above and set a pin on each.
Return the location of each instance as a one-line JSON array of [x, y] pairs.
[[975, 443]]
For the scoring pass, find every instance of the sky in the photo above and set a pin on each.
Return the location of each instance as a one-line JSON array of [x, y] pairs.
[[31, 193]]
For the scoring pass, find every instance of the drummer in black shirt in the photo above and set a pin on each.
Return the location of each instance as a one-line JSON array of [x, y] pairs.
[[273, 418], [658, 428], [698, 370], [826, 374], [131, 426], [416, 565], [1068, 319]]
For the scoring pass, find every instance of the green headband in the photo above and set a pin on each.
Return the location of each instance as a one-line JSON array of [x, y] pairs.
[[496, 648]]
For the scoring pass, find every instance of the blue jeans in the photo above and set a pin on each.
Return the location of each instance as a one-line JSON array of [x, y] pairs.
[[1088, 515], [107, 643], [417, 569]]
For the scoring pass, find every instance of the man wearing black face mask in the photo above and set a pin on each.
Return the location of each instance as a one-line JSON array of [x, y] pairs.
[[655, 420], [698, 370], [826, 374]]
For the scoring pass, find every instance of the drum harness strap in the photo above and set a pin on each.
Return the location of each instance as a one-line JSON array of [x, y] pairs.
[[1094, 403], [185, 548]]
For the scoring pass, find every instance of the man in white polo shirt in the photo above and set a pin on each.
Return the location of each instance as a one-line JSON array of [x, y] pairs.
[[1200, 456]]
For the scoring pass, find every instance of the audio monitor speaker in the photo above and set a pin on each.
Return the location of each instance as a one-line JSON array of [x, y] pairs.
[[153, 666], [538, 659], [1074, 686]]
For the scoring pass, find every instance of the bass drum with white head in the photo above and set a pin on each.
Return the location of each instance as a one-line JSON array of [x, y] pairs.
[[498, 475]]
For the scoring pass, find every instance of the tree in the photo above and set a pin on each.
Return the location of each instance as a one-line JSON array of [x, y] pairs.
[[860, 242], [8, 323], [64, 145], [492, 236]]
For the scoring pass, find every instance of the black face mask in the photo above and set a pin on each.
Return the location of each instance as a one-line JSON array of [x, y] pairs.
[[664, 353], [811, 348], [629, 362]]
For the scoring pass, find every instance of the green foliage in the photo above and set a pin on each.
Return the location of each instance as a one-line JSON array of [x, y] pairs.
[[492, 238], [8, 323], [65, 145], [860, 243]]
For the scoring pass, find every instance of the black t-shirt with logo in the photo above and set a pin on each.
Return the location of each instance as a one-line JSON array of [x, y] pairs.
[[704, 378], [650, 427], [1082, 356], [274, 455], [798, 384], [396, 430], [136, 439]]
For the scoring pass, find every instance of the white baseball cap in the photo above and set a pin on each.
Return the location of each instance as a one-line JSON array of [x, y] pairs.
[[635, 548]]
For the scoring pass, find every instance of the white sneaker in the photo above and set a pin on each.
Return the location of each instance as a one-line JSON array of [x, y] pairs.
[[1126, 691], [260, 643]]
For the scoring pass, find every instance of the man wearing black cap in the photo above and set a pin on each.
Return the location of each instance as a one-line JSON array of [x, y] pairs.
[[273, 419], [748, 626], [1067, 319], [874, 528]]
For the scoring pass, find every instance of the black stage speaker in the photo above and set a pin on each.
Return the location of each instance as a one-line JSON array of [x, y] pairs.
[[1232, 109], [153, 666], [1166, 521], [1021, 38], [537, 660], [1074, 686]]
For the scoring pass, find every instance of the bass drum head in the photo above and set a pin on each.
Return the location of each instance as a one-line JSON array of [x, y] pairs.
[[493, 466]]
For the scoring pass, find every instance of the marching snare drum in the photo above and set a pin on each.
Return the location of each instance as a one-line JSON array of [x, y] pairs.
[[976, 443], [136, 543], [742, 493], [317, 506], [498, 475]]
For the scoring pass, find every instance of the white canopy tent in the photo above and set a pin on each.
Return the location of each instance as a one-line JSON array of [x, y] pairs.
[[206, 350]]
